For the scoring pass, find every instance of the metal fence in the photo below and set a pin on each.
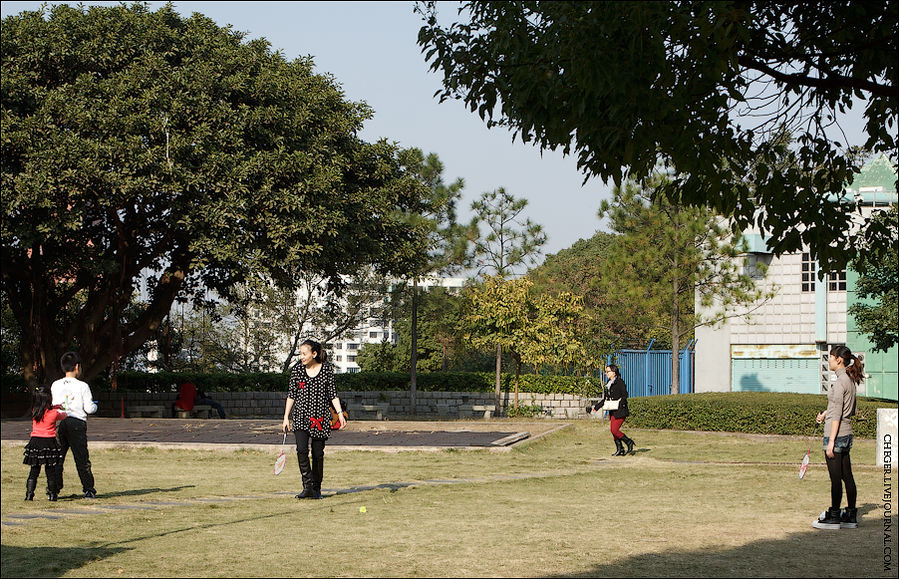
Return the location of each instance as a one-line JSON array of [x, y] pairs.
[[648, 372]]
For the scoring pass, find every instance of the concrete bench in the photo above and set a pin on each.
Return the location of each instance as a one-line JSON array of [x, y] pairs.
[[376, 411], [473, 410], [199, 411], [146, 411]]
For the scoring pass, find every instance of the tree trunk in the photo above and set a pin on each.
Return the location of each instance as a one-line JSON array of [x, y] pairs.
[[517, 376], [675, 314], [499, 364], [675, 355], [413, 359]]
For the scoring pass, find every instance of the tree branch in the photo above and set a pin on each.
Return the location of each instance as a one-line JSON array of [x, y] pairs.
[[834, 81]]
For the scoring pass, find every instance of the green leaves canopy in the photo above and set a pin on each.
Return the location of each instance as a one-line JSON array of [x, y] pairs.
[[137, 141], [877, 312], [708, 89]]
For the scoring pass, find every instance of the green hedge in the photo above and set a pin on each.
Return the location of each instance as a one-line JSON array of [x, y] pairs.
[[467, 382], [361, 382], [750, 412]]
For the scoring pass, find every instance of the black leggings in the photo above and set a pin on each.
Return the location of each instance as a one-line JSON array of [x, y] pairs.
[[54, 476], [840, 469]]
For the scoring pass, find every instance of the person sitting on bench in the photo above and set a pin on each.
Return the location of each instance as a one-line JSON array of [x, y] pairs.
[[189, 396]]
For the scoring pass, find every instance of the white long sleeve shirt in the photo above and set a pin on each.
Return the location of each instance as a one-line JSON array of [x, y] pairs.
[[74, 396]]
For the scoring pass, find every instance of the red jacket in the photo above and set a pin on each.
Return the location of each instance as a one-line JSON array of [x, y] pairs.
[[187, 395], [46, 428]]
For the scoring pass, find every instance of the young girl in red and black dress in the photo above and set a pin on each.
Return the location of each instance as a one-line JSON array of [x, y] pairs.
[[43, 448]]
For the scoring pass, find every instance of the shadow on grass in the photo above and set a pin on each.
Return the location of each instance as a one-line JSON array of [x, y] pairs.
[[392, 487], [133, 492], [50, 561], [868, 551], [218, 524]]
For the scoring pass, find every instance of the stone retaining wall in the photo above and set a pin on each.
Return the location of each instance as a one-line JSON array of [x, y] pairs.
[[271, 404]]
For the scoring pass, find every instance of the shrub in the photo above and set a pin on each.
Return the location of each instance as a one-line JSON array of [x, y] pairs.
[[525, 411], [750, 412]]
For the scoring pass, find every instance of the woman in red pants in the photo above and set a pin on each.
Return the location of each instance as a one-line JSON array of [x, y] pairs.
[[618, 391]]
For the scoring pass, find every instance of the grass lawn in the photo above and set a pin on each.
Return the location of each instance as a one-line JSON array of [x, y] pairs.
[[687, 504]]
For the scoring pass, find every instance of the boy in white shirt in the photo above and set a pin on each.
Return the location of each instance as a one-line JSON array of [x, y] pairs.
[[76, 400]]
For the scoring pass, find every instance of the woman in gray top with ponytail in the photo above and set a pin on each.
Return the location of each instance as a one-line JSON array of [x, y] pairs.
[[838, 438]]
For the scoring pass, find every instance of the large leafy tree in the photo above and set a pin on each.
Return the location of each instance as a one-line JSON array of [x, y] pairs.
[[709, 89], [137, 141], [665, 258]]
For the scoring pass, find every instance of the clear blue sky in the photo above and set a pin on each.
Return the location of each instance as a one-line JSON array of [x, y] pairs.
[[370, 48]]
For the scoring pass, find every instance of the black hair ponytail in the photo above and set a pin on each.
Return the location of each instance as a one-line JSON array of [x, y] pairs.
[[854, 367], [41, 400], [316, 349]]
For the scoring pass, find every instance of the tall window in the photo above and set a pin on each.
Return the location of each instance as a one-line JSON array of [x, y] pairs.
[[836, 281], [808, 273], [755, 265]]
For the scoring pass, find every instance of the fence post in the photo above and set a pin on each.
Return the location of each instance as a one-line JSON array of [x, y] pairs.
[[646, 385], [686, 368]]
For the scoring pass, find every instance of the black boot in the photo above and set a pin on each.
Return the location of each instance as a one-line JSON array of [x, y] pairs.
[[30, 485], [619, 448], [849, 518], [306, 474], [318, 468], [54, 481], [629, 443]]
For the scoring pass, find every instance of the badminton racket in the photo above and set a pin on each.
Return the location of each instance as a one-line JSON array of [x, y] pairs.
[[803, 466], [282, 458]]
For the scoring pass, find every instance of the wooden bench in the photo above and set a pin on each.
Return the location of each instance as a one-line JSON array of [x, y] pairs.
[[199, 411], [472, 410], [378, 410], [146, 411]]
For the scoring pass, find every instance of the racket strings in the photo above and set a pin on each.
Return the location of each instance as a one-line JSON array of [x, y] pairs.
[[282, 458], [803, 466]]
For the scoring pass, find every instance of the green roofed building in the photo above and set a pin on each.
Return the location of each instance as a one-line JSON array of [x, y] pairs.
[[782, 344]]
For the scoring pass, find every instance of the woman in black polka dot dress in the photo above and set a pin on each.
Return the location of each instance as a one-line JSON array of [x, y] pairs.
[[307, 413]]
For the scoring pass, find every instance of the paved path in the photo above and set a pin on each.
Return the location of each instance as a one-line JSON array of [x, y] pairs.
[[214, 434]]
